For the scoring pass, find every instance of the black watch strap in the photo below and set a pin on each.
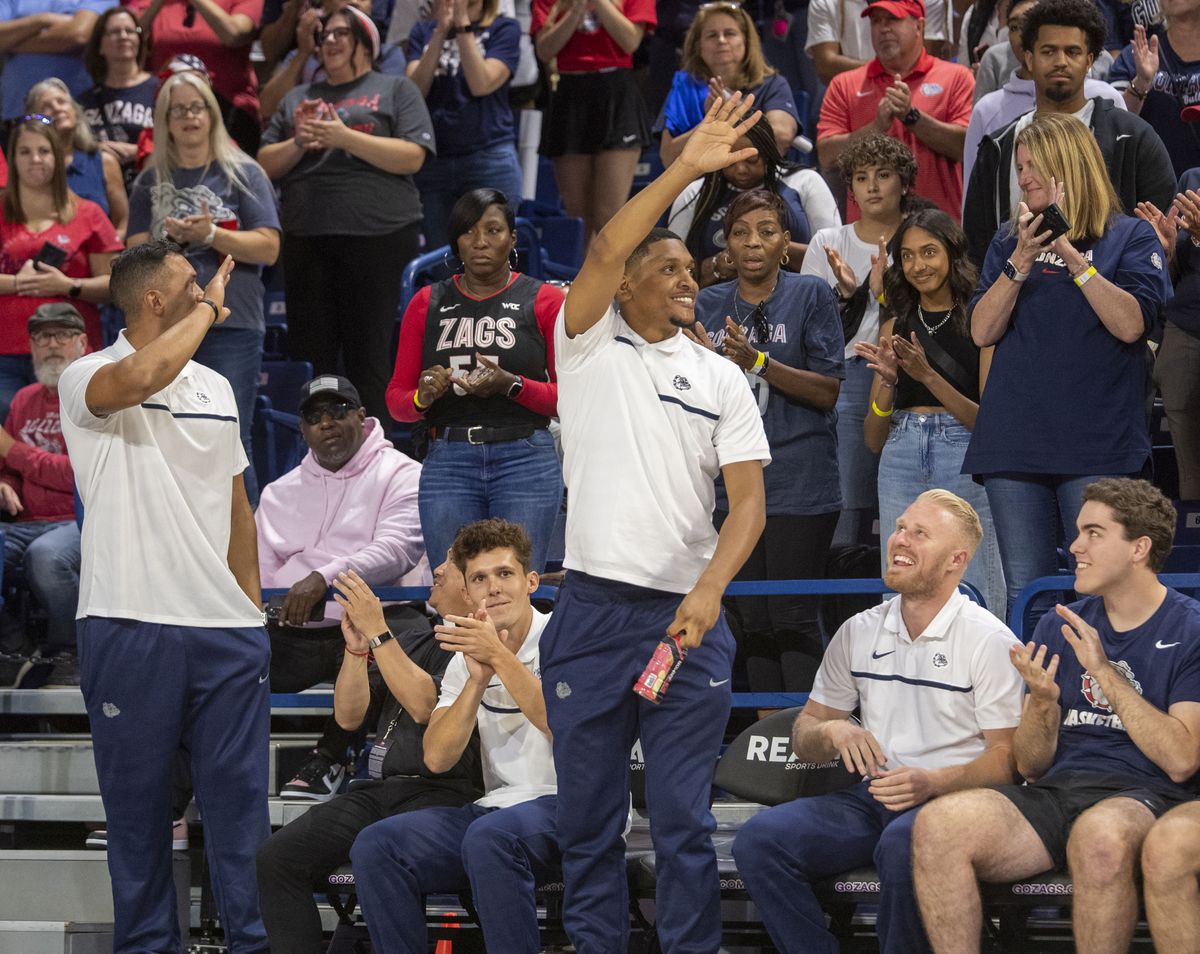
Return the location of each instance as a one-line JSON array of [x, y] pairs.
[[911, 117], [380, 639]]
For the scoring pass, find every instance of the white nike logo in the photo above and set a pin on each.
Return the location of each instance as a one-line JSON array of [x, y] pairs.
[[447, 307], [1159, 644], [865, 92], [629, 138], [262, 679], [1123, 136], [715, 684]]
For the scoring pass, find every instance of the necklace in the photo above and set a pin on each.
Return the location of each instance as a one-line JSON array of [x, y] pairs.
[[921, 315], [758, 314]]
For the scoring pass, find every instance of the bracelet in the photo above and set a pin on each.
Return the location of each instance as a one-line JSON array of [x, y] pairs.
[[881, 298], [888, 413], [417, 404], [1138, 94], [353, 653], [759, 362], [890, 385], [213, 305], [1085, 276], [212, 234]]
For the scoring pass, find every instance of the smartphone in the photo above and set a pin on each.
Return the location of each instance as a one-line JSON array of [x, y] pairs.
[[1054, 220], [51, 254], [275, 609]]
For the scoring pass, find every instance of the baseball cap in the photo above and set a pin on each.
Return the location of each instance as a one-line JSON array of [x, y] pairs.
[[58, 314], [184, 63], [1190, 114], [332, 384], [900, 9]]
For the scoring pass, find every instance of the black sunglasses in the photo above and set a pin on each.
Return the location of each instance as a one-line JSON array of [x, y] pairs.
[[337, 411]]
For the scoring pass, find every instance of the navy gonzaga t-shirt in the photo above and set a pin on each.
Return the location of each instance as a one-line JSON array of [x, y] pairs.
[[1161, 659], [805, 333], [1064, 395], [466, 123]]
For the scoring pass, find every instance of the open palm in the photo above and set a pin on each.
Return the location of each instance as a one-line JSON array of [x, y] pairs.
[[710, 146]]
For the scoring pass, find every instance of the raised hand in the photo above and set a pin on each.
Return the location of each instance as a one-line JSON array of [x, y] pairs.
[[1188, 204], [710, 146], [737, 347], [1145, 58], [1030, 662], [215, 289], [362, 606], [1083, 638], [1165, 226], [487, 379], [1031, 238], [696, 332], [843, 274], [432, 384], [879, 263], [911, 357], [880, 358]]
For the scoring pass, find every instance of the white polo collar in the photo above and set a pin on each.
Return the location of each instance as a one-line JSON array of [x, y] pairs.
[[939, 626]]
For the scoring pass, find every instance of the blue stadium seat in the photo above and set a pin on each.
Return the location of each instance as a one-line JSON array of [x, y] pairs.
[[277, 443]]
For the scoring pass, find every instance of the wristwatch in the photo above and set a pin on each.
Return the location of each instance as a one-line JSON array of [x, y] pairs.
[[516, 387], [380, 639], [910, 118], [75, 290], [1010, 272]]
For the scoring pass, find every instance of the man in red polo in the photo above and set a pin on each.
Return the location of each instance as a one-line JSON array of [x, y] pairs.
[[905, 93]]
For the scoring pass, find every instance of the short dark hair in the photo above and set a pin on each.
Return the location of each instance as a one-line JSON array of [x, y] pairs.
[[877, 150], [494, 534], [655, 236], [751, 201], [135, 270], [1142, 510], [469, 209], [1069, 13]]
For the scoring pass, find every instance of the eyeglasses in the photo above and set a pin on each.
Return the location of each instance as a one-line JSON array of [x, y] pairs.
[[337, 33], [37, 118], [124, 31], [337, 411], [193, 109], [58, 335]]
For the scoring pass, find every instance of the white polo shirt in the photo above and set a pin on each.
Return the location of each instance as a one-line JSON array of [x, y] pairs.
[[928, 700], [157, 486], [518, 761], [646, 429]]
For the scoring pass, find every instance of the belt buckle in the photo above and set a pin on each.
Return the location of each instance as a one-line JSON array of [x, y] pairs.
[[471, 435]]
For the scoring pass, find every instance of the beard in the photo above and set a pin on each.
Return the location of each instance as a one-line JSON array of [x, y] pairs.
[[48, 371], [914, 586], [1060, 93]]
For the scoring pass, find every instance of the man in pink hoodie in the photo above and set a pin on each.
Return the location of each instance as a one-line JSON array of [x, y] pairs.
[[351, 504]]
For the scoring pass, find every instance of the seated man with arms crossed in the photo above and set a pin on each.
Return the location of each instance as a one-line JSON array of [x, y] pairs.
[[939, 705], [504, 844], [306, 850], [1109, 732]]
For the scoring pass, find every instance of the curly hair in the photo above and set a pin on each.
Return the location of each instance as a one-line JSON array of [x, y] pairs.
[[1070, 13], [717, 190], [1142, 511], [902, 298], [494, 534], [751, 71], [879, 151]]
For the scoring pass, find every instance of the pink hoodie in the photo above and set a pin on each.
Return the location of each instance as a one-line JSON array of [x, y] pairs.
[[363, 516]]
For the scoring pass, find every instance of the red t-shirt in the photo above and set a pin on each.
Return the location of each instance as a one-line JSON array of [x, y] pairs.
[[591, 48], [943, 90], [37, 467], [88, 233], [228, 67]]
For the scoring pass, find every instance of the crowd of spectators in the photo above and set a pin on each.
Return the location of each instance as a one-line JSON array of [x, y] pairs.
[[970, 279]]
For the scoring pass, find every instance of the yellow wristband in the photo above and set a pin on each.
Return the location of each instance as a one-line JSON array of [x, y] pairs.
[[888, 413], [759, 361], [416, 403], [1082, 278], [881, 298]]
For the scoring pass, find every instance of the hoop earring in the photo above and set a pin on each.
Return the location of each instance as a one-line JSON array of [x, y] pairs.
[[512, 257], [728, 260], [785, 260], [448, 260]]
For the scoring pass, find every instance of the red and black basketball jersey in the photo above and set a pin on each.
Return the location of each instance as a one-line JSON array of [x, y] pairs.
[[503, 327]]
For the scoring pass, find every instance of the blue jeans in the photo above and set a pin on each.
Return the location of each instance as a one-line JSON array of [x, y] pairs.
[[16, 371], [781, 851], [1030, 512], [236, 353], [50, 554], [857, 466], [520, 481], [444, 180], [501, 853], [924, 452]]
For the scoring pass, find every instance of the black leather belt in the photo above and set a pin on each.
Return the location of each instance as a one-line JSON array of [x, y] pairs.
[[484, 435]]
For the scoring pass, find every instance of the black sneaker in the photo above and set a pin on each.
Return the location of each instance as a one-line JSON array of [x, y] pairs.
[[317, 781], [65, 671]]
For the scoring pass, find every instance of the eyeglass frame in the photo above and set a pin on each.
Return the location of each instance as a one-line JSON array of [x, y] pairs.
[[42, 336], [337, 33], [179, 111]]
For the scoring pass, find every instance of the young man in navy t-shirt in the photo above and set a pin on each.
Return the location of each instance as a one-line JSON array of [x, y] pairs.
[[649, 419], [1109, 733]]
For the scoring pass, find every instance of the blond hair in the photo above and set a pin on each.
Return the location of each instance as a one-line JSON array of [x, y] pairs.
[[751, 71], [963, 513], [1062, 147]]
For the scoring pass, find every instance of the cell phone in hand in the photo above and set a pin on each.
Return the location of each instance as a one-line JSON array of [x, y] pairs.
[[275, 609], [1054, 220], [51, 254]]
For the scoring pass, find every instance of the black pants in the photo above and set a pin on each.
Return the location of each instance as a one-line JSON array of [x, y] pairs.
[[342, 294], [301, 658], [780, 635], [305, 851]]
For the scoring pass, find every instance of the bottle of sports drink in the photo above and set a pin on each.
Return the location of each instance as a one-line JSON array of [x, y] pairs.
[[656, 677]]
